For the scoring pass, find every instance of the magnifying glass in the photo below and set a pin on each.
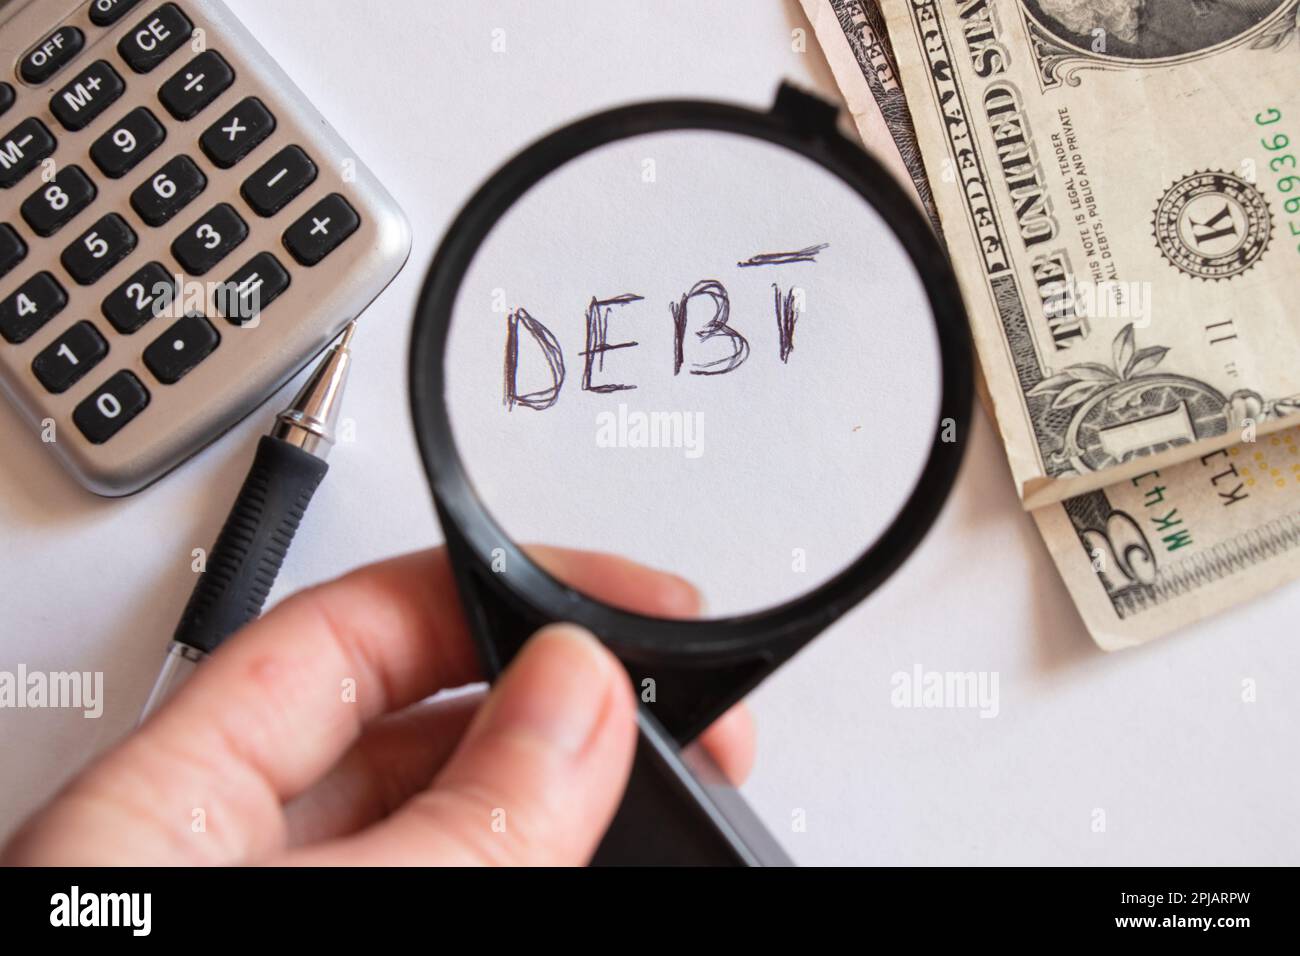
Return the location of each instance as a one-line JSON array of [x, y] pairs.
[[717, 341]]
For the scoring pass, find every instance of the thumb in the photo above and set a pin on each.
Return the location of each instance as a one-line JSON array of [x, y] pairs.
[[539, 773]]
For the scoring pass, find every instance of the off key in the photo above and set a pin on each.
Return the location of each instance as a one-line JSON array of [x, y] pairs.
[[51, 55]]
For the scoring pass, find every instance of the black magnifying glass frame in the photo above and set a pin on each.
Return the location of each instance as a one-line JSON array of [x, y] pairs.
[[714, 662]]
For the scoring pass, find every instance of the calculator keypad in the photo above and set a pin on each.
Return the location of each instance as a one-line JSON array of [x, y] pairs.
[[98, 249], [159, 154], [104, 413], [175, 353], [54, 205], [196, 84], [168, 191], [63, 362], [88, 94], [30, 306], [155, 38], [119, 150]]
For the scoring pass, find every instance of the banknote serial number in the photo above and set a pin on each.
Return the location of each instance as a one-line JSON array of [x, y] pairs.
[[1283, 165]]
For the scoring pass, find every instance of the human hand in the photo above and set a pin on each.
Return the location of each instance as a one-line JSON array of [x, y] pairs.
[[266, 757]]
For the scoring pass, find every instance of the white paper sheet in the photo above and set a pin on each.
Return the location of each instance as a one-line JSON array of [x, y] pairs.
[[765, 462]]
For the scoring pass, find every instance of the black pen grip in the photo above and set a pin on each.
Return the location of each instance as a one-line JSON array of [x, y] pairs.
[[252, 544]]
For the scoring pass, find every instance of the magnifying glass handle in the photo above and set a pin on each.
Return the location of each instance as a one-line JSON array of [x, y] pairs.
[[679, 810]]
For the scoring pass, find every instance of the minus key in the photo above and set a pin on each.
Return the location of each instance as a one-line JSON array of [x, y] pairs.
[[278, 181]]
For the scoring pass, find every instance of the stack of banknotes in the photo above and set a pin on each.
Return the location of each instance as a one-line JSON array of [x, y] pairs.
[[1116, 183]]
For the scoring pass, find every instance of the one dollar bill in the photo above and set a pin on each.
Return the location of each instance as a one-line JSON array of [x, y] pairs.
[[1144, 556], [852, 36], [1117, 184], [1167, 548]]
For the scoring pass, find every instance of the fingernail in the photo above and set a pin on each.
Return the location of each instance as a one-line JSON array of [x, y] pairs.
[[556, 688]]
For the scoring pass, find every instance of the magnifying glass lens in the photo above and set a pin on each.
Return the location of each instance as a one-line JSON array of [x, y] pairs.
[[701, 351]]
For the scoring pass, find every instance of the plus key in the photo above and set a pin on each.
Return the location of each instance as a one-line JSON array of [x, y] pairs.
[[321, 229]]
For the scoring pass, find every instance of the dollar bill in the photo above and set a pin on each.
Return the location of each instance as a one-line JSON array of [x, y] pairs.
[[1164, 549], [1117, 185], [1144, 556], [851, 34]]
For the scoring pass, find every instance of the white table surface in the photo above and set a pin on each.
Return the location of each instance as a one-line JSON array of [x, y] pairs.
[[1158, 738]]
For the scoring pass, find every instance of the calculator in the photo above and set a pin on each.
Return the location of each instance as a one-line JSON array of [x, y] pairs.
[[180, 230]]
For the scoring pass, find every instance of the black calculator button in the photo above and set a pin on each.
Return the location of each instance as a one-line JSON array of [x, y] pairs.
[[6, 97], [168, 191], [63, 362], [53, 205], [149, 291], [110, 407], [321, 229], [155, 38], [119, 150], [51, 55], [233, 137], [87, 95], [98, 249], [30, 306], [12, 249], [174, 353], [26, 145], [247, 293], [198, 83], [209, 240], [104, 13], [278, 181]]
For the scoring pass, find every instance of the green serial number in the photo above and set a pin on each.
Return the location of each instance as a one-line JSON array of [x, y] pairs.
[[1284, 165]]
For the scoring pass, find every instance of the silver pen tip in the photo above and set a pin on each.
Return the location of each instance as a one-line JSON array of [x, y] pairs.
[[346, 340], [310, 421]]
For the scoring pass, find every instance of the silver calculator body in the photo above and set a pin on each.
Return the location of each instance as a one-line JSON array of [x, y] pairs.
[[119, 383]]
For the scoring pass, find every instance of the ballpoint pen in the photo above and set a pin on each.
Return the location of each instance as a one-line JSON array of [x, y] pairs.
[[246, 558]]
